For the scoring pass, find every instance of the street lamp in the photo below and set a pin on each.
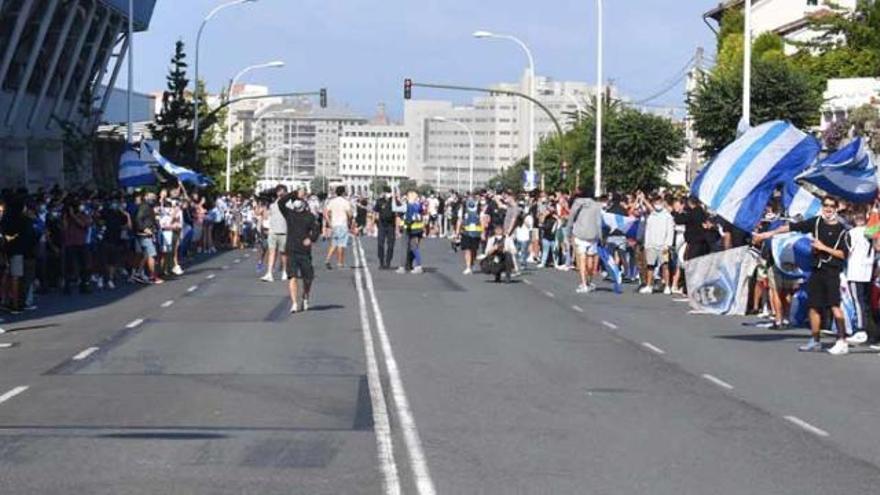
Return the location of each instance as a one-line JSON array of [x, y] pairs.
[[269, 65], [597, 184], [196, 82], [488, 34], [470, 133], [745, 122]]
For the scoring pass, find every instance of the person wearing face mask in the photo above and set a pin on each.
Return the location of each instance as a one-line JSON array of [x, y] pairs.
[[303, 231], [659, 236], [146, 226], [386, 219], [823, 287]]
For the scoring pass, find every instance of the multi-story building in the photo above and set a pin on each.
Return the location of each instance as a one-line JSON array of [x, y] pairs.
[[372, 152], [788, 18], [440, 151], [299, 140], [59, 60]]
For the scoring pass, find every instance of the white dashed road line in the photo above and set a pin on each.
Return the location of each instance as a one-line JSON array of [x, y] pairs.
[[12, 393], [681, 300], [86, 353], [527, 282], [193, 289], [806, 426], [412, 440], [5, 345], [549, 294], [717, 381], [578, 308], [210, 277], [226, 267], [653, 348], [135, 323], [167, 304], [609, 325], [236, 261]]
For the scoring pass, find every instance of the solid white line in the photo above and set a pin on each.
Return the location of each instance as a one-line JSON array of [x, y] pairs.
[[86, 353], [549, 294], [653, 348], [381, 422], [210, 277], [167, 304], [418, 462], [135, 323], [12, 393], [807, 426], [193, 288], [578, 308], [527, 282], [717, 381], [609, 325]]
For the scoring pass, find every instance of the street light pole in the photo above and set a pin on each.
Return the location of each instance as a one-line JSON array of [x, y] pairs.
[[600, 96], [470, 134], [525, 48], [196, 82], [130, 129], [746, 120], [273, 65]]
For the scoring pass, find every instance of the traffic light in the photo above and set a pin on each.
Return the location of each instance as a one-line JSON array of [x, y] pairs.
[[407, 89], [323, 97]]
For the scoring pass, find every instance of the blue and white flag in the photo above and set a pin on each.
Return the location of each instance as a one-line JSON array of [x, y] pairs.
[[848, 174], [793, 254], [628, 225], [800, 202], [610, 266], [134, 172], [738, 183], [182, 173]]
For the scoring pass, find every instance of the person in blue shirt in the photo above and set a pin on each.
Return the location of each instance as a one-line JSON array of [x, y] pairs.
[[414, 230]]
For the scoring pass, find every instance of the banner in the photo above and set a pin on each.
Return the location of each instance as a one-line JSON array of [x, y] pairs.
[[718, 283]]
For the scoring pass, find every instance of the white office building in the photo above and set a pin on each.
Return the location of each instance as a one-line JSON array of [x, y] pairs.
[[788, 18], [440, 151], [372, 152]]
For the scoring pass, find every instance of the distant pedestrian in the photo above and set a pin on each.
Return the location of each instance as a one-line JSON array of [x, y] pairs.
[[338, 215]]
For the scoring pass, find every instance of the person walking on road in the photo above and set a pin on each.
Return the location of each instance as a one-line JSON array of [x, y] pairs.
[[414, 227], [470, 230], [386, 219], [338, 215], [303, 231], [277, 237], [586, 232]]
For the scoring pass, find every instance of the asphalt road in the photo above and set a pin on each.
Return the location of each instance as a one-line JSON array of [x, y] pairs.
[[433, 383]]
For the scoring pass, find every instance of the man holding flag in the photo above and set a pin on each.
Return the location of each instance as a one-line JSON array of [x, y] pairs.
[[823, 287]]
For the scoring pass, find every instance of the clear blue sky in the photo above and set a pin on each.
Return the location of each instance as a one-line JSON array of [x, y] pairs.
[[363, 49]]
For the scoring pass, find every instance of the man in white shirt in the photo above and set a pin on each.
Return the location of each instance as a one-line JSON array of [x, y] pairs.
[[659, 236], [859, 271], [277, 236], [338, 215]]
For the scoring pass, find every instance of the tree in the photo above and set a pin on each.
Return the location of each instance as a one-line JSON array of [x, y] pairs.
[[173, 125], [319, 184]]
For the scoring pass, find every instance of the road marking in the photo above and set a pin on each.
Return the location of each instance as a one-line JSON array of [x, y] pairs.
[[717, 381], [135, 323], [527, 282], [226, 267], [381, 421], [682, 300], [236, 260], [653, 348], [193, 288], [211, 277], [418, 462], [577, 308], [247, 256], [6, 345], [167, 304], [609, 325], [2, 331], [549, 294], [86, 353], [807, 426], [12, 393]]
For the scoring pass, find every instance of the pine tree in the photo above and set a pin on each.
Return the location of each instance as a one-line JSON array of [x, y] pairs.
[[173, 126]]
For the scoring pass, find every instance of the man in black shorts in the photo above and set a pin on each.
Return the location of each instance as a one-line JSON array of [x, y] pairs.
[[823, 287], [302, 231]]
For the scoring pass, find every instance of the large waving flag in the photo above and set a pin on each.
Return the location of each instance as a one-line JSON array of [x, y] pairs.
[[793, 254], [134, 172], [849, 173], [184, 174], [611, 267], [799, 201], [628, 225], [739, 182]]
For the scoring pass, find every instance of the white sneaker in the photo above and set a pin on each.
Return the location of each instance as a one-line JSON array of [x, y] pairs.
[[840, 348], [305, 304], [417, 270], [100, 283], [267, 277], [857, 338], [111, 285], [667, 290], [284, 276], [677, 291], [177, 270], [467, 271], [646, 290], [582, 289], [293, 308]]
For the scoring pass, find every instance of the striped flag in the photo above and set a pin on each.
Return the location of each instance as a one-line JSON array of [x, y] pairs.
[[738, 183], [611, 267], [628, 225], [799, 201], [182, 173], [848, 174], [134, 172], [793, 254]]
